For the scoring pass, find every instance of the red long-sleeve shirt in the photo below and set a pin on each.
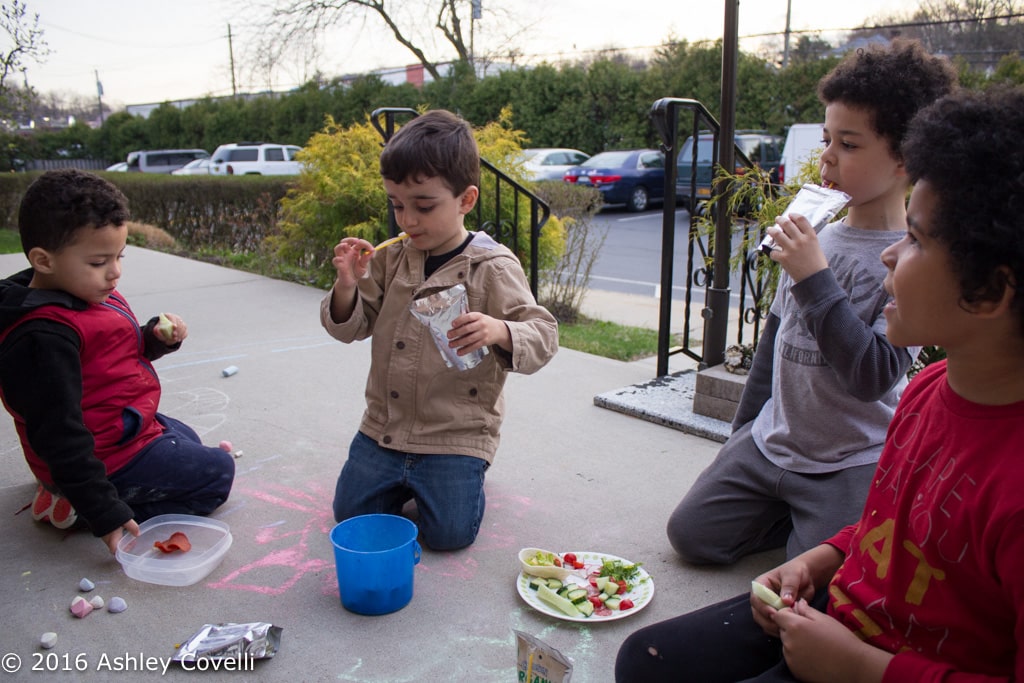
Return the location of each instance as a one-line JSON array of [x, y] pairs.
[[934, 570]]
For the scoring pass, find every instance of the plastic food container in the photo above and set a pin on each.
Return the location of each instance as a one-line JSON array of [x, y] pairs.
[[210, 539]]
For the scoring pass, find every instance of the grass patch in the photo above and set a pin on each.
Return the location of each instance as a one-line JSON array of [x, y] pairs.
[[10, 242], [610, 340]]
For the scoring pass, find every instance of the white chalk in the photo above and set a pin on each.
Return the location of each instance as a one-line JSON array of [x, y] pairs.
[[229, 370]]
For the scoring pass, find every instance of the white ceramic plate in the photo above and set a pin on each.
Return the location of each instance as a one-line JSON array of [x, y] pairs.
[[641, 594]]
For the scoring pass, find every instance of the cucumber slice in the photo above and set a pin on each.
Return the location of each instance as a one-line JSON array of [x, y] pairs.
[[766, 595], [554, 584], [558, 602], [536, 582], [612, 603], [586, 608], [575, 595]]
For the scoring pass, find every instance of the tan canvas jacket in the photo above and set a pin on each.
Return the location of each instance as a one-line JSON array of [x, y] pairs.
[[414, 401]]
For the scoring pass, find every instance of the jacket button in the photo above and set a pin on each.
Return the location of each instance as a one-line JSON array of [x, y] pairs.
[[400, 345], [472, 392], [394, 394], [462, 275], [386, 439]]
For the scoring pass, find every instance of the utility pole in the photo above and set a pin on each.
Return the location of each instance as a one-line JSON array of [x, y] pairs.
[[231, 57], [785, 51], [99, 94], [476, 12]]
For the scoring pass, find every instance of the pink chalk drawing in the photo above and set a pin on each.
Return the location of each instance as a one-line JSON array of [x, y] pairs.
[[289, 563], [285, 565]]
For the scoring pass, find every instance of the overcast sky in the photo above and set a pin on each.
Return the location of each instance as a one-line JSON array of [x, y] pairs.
[[154, 50]]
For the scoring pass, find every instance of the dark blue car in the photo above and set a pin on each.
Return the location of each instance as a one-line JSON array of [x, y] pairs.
[[634, 177]]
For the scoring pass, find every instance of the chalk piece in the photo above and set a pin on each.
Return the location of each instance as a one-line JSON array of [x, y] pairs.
[[238, 453], [117, 605], [96, 602], [80, 607], [86, 585], [226, 446], [229, 370], [48, 639]]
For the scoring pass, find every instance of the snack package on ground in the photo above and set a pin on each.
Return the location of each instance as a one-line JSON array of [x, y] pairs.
[[256, 640], [537, 661], [815, 203], [437, 312]]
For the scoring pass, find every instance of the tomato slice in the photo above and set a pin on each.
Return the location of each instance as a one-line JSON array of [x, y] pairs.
[[596, 601], [569, 558], [626, 603], [177, 541]]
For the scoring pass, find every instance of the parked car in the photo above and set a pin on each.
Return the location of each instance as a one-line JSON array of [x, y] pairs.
[[255, 158], [162, 160], [550, 163], [634, 177], [119, 167], [195, 167], [760, 147], [803, 140]]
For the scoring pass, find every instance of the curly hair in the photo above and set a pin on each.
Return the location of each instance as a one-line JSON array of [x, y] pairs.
[[437, 144], [59, 203], [967, 146], [891, 82]]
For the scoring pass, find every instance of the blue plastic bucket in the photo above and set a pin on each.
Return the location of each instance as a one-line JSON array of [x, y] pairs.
[[375, 556]]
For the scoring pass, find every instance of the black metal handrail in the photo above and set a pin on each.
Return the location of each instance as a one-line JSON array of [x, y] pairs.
[[665, 118], [495, 213]]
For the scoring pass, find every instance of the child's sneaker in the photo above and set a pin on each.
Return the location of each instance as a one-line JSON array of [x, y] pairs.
[[53, 508]]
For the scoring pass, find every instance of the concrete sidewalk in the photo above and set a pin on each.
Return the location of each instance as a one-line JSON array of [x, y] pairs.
[[568, 476]]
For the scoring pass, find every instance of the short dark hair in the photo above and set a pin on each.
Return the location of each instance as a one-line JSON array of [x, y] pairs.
[[967, 147], [435, 144], [891, 83], [59, 203]]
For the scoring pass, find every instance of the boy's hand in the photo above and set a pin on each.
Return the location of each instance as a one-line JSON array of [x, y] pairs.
[[796, 247], [475, 330], [791, 581], [178, 331], [114, 536], [351, 259], [818, 648]]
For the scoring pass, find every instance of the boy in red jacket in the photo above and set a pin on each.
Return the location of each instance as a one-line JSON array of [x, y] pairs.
[[76, 372]]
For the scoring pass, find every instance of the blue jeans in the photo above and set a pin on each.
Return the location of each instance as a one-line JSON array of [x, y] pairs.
[[175, 474], [448, 490]]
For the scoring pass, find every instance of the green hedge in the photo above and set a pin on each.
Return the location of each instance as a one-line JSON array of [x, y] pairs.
[[234, 213]]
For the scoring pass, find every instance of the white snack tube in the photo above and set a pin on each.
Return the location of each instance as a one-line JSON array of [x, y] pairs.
[[817, 204], [437, 312]]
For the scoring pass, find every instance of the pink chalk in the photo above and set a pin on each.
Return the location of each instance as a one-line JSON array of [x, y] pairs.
[[80, 607], [226, 446]]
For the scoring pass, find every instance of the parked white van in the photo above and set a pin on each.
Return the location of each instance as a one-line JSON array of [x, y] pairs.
[[162, 160], [255, 158], [803, 141]]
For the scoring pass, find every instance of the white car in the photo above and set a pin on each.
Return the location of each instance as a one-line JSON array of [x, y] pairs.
[[255, 158], [550, 163], [196, 167]]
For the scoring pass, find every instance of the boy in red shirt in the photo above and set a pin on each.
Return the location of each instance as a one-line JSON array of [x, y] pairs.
[[929, 584]]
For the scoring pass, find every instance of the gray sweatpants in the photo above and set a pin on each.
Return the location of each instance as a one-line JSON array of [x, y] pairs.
[[743, 504]]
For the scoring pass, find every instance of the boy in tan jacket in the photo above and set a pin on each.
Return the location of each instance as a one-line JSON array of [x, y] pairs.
[[430, 431]]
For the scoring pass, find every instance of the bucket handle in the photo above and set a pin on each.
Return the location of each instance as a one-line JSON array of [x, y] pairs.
[[416, 552]]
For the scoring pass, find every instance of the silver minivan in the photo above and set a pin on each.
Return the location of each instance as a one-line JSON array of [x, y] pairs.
[[162, 160]]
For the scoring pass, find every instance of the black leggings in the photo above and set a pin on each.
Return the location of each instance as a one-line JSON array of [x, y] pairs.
[[720, 643]]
